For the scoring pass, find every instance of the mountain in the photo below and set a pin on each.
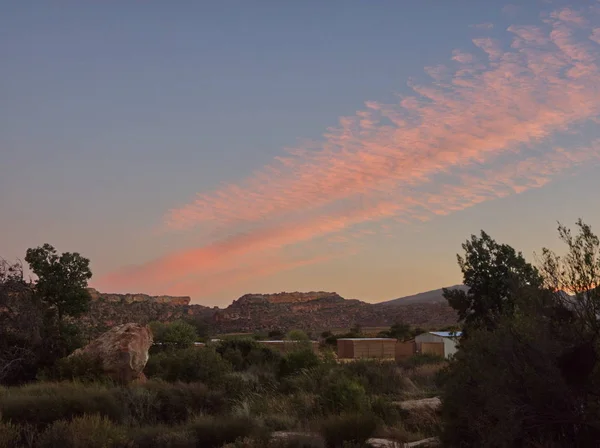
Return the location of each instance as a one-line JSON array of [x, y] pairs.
[[311, 311], [434, 296]]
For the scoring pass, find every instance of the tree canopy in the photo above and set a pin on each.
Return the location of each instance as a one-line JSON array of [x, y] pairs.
[[61, 279], [494, 273]]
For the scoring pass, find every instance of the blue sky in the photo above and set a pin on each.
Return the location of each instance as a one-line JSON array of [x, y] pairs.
[[113, 115]]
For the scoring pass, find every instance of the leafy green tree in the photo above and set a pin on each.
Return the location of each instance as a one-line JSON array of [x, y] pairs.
[[296, 335], [61, 280], [176, 334], [400, 331], [494, 273]]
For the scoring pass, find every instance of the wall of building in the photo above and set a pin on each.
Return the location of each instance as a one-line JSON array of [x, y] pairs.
[[405, 350], [433, 348], [450, 346]]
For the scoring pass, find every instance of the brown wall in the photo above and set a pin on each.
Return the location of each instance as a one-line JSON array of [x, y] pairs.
[[345, 349], [435, 348], [366, 348], [405, 350]]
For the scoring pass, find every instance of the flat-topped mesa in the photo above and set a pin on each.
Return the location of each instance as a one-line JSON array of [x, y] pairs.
[[133, 298], [285, 297]]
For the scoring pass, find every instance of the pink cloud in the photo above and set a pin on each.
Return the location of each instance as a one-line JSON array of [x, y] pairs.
[[373, 165], [519, 96]]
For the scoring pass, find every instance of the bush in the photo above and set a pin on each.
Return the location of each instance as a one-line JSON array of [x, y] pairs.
[[188, 365], [377, 377], [298, 360], [163, 437], [243, 353], [42, 404], [338, 430], [341, 394], [178, 402], [82, 368], [9, 435], [421, 359], [88, 431], [213, 432], [175, 334], [504, 388]]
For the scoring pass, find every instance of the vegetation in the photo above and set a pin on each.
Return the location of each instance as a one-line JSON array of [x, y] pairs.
[[531, 349], [526, 373]]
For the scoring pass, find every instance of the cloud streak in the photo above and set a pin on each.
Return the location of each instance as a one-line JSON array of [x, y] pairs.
[[412, 160], [495, 101]]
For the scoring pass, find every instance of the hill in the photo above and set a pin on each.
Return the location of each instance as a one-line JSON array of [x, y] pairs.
[[313, 311], [433, 296]]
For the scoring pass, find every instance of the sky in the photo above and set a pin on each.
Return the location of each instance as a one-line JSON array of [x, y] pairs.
[[213, 149]]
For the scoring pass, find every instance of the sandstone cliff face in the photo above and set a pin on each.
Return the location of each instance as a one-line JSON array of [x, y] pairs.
[[312, 311], [132, 298], [322, 311]]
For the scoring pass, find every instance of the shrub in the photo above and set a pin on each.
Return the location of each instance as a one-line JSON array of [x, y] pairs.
[[338, 430], [213, 432], [422, 359], [340, 394], [298, 360], [82, 368], [385, 409], [178, 402], [377, 377], [88, 431], [163, 437], [279, 422], [243, 353], [42, 404], [9, 435], [188, 365], [175, 334]]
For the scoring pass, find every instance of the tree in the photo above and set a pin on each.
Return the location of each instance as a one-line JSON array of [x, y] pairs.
[[61, 280], [400, 331], [534, 380], [20, 322], [176, 334], [493, 273], [296, 335]]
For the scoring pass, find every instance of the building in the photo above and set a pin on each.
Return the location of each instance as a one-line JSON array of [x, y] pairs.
[[354, 348], [290, 346], [442, 343]]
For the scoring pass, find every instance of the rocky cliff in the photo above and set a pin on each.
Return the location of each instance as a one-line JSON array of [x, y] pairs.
[[314, 311], [133, 298]]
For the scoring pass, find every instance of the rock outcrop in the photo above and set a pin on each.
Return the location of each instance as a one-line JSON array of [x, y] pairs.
[[122, 351], [136, 298]]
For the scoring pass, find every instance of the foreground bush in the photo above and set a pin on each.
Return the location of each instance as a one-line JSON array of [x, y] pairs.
[[81, 368], [42, 404], [88, 431], [188, 365], [152, 403], [211, 432], [339, 430], [9, 435]]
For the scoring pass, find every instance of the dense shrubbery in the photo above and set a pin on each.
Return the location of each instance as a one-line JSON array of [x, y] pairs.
[[188, 365]]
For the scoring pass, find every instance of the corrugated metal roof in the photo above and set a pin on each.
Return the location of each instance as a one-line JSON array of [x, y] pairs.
[[366, 339], [447, 334]]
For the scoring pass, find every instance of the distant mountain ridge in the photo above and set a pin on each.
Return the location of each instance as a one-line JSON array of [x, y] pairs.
[[311, 311], [433, 296]]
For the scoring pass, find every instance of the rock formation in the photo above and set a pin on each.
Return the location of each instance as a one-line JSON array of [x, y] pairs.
[[122, 351], [133, 298]]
